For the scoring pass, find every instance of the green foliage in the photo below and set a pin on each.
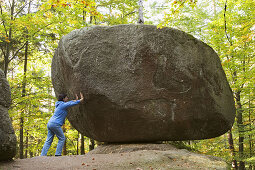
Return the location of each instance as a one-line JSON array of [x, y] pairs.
[[39, 24], [36, 107], [183, 145], [119, 11], [230, 33]]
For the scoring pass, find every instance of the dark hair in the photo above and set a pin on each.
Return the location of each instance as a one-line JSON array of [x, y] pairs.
[[61, 97]]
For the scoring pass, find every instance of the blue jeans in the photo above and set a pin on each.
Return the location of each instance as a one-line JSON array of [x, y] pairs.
[[54, 129]]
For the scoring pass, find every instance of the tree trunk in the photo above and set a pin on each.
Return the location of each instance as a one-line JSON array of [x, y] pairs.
[[84, 13], [95, 20], [91, 145], [214, 8], [26, 149], [49, 100], [91, 18], [240, 130], [78, 144], [82, 145], [7, 56], [21, 147], [9, 45], [31, 154], [250, 129], [64, 148], [140, 15], [232, 149], [24, 82]]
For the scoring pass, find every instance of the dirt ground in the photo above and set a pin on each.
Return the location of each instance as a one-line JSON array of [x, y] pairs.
[[149, 159]]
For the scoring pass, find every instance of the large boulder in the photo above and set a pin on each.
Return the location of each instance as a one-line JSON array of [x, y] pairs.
[[7, 136], [143, 84]]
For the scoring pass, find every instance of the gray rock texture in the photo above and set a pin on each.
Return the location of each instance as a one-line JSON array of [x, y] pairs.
[[7, 135], [143, 84], [124, 157]]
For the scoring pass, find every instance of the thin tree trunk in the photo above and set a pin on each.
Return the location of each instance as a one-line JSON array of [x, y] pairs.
[[78, 144], [9, 45], [140, 14], [24, 82], [232, 149], [214, 8], [49, 99], [31, 154], [84, 13], [91, 145], [95, 20], [225, 23], [7, 56], [240, 130], [64, 148], [26, 149], [91, 19], [250, 136], [21, 147], [82, 145], [110, 14]]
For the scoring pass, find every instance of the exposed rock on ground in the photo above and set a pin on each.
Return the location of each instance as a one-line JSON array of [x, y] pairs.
[[7, 136], [132, 156], [143, 84]]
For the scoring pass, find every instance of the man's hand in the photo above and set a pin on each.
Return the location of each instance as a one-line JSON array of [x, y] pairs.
[[82, 98]]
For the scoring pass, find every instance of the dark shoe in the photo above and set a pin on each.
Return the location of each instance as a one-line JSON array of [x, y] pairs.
[[57, 155]]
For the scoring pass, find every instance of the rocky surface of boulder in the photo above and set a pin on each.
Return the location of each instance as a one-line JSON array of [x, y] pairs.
[[7, 135], [143, 84], [124, 157]]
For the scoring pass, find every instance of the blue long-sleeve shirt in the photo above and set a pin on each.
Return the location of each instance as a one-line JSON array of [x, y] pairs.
[[61, 111]]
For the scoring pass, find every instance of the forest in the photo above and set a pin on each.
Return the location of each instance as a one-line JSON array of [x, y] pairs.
[[31, 29]]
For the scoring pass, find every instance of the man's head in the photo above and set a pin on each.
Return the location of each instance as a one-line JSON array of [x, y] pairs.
[[62, 97]]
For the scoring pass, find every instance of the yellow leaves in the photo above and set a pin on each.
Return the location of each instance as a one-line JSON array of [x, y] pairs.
[[225, 62], [48, 14], [73, 22], [94, 13], [247, 37], [161, 25], [85, 3], [6, 39], [56, 3], [72, 8], [67, 3]]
